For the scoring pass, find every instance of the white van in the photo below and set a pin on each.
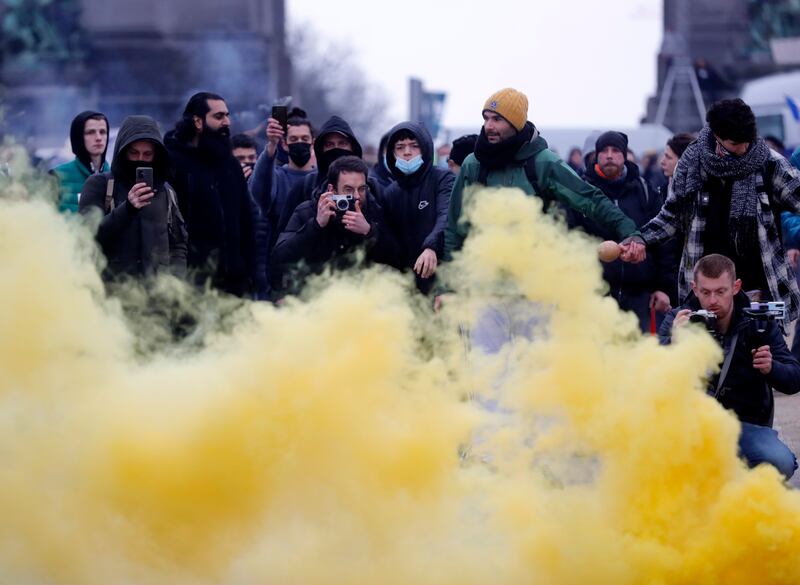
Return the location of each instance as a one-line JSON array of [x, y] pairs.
[[775, 100]]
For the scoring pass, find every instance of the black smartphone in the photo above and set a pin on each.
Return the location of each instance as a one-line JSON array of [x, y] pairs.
[[145, 175], [281, 113]]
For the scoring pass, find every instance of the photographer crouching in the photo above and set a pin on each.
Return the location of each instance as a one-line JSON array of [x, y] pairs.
[[756, 358]]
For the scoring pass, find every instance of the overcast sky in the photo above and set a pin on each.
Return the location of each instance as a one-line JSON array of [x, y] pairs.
[[581, 63]]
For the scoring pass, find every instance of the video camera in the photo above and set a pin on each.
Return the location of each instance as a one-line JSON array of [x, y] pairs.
[[769, 311], [762, 314]]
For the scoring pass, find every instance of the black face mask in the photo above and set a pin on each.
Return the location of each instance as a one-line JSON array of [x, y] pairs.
[[300, 153], [128, 167], [331, 155]]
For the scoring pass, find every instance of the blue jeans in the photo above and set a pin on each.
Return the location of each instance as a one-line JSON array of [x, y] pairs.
[[759, 444]]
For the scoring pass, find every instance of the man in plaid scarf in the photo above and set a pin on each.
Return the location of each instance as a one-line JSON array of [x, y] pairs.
[[728, 191]]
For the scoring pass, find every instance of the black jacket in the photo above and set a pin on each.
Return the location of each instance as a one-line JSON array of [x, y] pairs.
[[745, 390], [137, 242], [416, 205], [304, 242], [641, 203], [317, 181], [379, 173], [220, 216]]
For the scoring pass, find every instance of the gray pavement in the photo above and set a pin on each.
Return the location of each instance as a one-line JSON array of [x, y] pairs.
[[787, 423]]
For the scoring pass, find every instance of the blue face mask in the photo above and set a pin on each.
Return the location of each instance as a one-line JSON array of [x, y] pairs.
[[409, 167]]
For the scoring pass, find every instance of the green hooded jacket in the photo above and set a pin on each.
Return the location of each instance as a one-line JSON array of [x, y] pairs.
[[71, 177], [556, 180]]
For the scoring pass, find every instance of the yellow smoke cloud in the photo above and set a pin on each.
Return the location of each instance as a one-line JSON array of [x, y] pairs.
[[332, 441]]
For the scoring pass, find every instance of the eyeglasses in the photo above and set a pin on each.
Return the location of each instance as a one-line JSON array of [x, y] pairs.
[[350, 191], [722, 151]]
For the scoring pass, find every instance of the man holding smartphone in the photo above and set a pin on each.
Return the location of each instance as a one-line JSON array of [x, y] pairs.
[[141, 231], [271, 182]]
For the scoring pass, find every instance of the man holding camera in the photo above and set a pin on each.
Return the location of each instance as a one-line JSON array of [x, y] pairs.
[[756, 358], [327, 228]]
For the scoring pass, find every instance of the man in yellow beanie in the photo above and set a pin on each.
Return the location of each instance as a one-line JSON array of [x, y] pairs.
[[510, 153]]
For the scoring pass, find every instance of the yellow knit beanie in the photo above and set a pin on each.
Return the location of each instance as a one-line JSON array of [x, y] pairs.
[[511, 104]]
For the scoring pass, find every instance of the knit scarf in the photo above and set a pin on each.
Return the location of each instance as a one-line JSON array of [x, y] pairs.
[[501, 154], [702, 161]]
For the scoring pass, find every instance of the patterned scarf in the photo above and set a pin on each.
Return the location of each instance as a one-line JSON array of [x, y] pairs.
[[745, 172]]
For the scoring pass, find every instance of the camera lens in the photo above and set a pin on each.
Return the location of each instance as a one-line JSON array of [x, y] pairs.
[[342, 205]]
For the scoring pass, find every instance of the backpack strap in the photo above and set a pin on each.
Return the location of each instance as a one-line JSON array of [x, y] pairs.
[[176, 225], [109, 207], [532, 175]]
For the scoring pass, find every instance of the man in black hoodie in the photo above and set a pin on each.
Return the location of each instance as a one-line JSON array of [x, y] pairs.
[[328, 228], [213, 196], [636, 287], [334, 140], [141, 231], [380, 172], [416, 204]]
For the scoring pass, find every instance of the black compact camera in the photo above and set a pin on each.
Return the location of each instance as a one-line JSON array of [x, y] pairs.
[[344, 203]]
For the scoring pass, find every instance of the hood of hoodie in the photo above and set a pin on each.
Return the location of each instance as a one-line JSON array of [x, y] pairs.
[[531, 148], [426, 150], [136, 128], [76, 137], [338, 125]]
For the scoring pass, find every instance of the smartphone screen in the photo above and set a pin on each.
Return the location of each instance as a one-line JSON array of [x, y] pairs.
[[145, 175], [280, 113]]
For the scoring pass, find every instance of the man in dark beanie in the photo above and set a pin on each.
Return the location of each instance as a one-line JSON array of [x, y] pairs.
[[613, 138], [651, 284], [510, 152], [462, 147], [88, 136], [727, 194]]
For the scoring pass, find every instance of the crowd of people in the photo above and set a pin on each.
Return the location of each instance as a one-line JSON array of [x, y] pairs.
[[715, 228]]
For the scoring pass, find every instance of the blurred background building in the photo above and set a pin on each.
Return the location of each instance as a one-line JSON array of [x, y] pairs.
[[712, 48], [58, 57]]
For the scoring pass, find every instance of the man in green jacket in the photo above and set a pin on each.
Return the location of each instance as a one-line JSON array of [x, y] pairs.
[[88, 135], [510, 153]]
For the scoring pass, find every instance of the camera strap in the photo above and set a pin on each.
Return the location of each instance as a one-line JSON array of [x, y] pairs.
[[726, 365]]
